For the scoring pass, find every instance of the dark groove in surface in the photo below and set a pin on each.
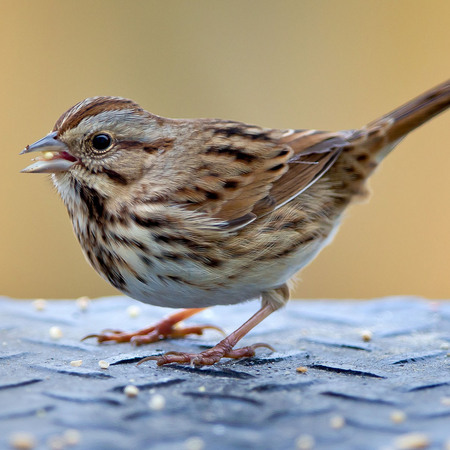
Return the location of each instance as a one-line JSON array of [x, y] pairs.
[[214, 396], [20, 383], [274, 387], [20, 414], [345, 371], [78, 398], [156, 384], [359, 398], [225, 373], [75, 373]]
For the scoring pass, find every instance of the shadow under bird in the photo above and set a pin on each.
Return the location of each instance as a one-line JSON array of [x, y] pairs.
[[191, 213]]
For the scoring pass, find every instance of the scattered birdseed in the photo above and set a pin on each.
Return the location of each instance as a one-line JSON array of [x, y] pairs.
[[55, 333], [337, 422], [301, 369], [22, 441], [72, 437], [305, 442], [133, 311], [131, 390], [40, 304], [103, 364], [76, 363], [411, 441], [366, 335], [201, 389], [194, 443], [83, 303], [157, 402], [398, 416]]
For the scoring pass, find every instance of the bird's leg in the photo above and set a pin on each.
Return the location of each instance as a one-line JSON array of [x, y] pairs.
[[271, 301], [165, 329]]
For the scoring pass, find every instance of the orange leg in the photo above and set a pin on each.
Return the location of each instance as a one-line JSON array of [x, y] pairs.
[[163, 330], [224, 349]]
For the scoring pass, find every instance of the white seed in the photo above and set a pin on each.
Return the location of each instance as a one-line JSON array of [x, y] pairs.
[[301, 369], [83, 303], [201, 389], [411, 441], [398, 416], [445, 401], [22, 441], [48, 155], [103, 364], [40, 304], [337, 422], [133, 311], [72, 437], [194, 443], [157, 402], [76, 363], [55, 333], [305, 442], [131, 390], [366, 335]]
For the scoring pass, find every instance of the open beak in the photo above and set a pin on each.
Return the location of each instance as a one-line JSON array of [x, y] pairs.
[[55, 155]]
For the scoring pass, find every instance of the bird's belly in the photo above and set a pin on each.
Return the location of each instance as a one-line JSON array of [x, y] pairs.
[[159, 273], [196, 286]]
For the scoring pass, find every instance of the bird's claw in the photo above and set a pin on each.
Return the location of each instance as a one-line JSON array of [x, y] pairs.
[[207, 357], [153, 334]]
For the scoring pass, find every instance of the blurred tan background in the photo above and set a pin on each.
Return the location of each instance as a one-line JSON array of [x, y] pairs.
[[301, 64]]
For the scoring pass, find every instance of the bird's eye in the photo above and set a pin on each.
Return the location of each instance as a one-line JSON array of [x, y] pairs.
[[101, 141]]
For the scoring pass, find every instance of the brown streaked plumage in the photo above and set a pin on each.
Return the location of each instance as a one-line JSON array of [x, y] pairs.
[[195, 213]]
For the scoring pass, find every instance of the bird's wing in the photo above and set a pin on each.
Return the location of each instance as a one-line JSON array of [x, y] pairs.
[[247, 171]]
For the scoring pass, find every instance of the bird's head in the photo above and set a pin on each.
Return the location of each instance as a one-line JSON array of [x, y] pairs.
[[101, 141]]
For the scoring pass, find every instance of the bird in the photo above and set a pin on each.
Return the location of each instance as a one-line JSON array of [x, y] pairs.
[[192, 213]]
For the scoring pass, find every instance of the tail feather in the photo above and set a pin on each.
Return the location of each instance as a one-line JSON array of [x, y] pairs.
[[381, 135]]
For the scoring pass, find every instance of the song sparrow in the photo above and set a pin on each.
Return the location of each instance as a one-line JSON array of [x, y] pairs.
[[195, 213]]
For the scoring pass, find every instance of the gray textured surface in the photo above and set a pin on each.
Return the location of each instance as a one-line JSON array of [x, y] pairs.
[[254, 403]]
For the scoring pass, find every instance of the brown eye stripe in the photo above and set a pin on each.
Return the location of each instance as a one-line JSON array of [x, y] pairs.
[[159, 144], [149, 147]]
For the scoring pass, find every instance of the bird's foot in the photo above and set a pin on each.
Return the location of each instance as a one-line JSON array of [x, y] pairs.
[[168, 328], [208, 357]]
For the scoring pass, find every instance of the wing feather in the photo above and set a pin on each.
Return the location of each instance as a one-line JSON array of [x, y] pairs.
[[248, 172]]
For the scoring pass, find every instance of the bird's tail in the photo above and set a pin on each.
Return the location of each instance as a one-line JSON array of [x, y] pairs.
[[382, 135]]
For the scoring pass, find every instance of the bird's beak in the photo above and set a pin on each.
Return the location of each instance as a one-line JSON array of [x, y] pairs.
[[55, 157]]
